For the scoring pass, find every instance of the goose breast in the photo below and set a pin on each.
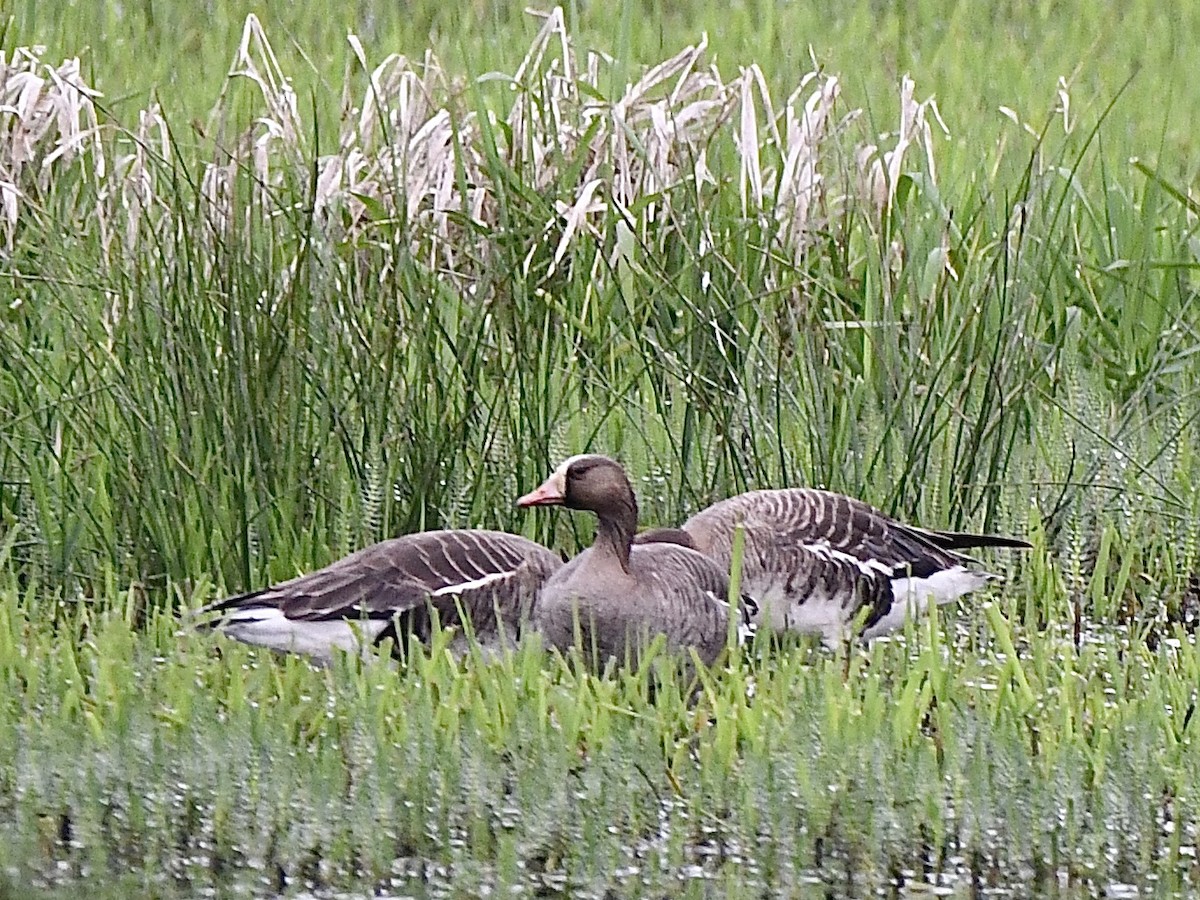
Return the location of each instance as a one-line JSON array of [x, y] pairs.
[[668, 590]]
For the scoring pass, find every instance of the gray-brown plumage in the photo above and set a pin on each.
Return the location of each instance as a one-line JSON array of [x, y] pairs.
[[391, 589], [814, 561], [613, 597]]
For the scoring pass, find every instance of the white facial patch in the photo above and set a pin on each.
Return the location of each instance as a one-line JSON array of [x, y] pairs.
[[567, 463]]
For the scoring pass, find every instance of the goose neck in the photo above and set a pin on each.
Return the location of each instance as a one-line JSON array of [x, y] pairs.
[[615, 530]]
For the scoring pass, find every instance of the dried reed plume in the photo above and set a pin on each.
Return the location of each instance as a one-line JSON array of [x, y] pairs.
[[410, 154]]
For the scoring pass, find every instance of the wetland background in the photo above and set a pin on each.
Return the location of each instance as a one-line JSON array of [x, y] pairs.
[[270, 294]]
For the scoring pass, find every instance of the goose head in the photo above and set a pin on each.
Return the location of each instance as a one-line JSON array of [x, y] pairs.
[[589, 482], [596, 484]]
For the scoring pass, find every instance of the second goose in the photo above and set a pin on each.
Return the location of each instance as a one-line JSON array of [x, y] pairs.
[[815, 561]]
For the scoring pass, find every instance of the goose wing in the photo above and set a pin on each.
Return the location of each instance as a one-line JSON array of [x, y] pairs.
[[489, 576], [831, 525]]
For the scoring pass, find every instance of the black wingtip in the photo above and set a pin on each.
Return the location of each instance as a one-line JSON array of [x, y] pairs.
[[212, 615]]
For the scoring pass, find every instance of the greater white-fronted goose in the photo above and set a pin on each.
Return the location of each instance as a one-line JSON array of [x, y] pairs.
[[614, 596], [389, 590], [813, 560]]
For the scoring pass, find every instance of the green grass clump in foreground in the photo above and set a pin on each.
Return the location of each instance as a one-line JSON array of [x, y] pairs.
[[226, 359], [145, 760]]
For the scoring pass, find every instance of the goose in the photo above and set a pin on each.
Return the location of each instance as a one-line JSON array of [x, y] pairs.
[[389, 589], [814, 561], [619, 595]]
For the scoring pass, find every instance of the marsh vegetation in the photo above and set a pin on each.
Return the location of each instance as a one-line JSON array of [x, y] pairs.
[[310, 295]]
